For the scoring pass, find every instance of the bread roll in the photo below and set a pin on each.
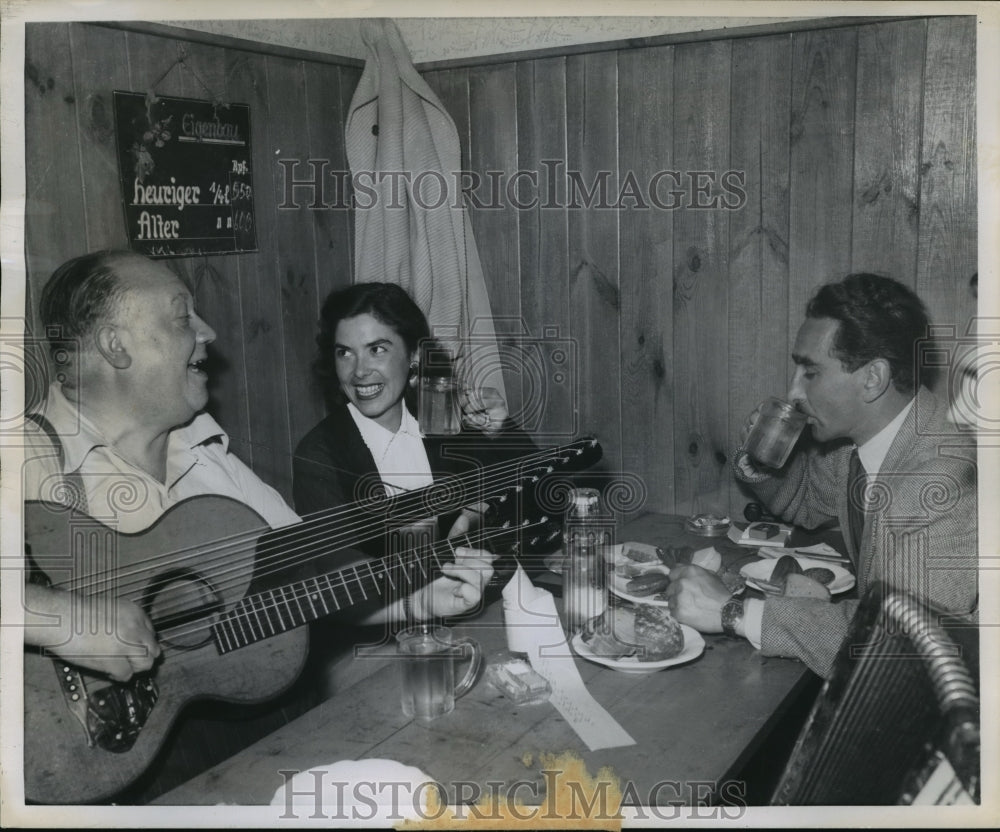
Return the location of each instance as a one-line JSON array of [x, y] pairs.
[[657, 634], [799, 586]]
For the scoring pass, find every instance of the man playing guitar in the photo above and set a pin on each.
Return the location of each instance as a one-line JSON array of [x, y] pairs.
[[123, 437]]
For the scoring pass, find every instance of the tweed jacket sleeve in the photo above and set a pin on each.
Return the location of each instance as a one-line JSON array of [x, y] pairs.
[[804, 492], [920, 533]]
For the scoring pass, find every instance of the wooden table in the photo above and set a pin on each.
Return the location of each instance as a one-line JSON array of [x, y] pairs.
[[694, 724]]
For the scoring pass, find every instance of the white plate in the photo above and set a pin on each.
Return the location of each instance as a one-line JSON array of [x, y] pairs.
[[382, 806], [694, 646], [616, 554], [760, 570], [618, 583]]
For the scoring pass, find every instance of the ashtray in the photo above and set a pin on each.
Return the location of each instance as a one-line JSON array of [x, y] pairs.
[[707, 525]]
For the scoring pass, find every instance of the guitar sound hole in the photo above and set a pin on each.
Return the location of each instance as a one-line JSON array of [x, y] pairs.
[[182, 606]]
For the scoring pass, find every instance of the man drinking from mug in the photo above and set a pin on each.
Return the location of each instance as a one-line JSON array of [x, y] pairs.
[[882, 460]]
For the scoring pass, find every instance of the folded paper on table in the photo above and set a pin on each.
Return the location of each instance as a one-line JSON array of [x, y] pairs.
[[817, 549], [534, 628], [743, 538]]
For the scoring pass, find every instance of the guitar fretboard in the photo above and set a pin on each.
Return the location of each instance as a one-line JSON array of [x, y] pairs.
[[269, 613]]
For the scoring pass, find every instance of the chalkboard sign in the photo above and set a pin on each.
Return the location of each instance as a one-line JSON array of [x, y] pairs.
[[187, 184]]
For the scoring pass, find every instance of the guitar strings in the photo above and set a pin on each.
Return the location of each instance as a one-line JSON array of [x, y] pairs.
[[299, 594], [274, 557], [181, 605], [425, 559]]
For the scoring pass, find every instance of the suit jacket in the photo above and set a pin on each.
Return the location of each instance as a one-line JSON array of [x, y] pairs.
[[920, 531]]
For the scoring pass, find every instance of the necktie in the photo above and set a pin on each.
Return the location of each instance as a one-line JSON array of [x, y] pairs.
[[857, 478]]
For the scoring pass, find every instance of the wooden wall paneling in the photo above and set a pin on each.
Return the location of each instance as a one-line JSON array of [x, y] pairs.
[[331, 224], [55, 216], [550, 408], [216, 279], [293, 258], [645, 149], [700, 278], [948, 198], [493, 156], [452, 88], [349, 78], [592, 156], [887, 146], [822, 164], [100, 67], [758, 233], [260, 290]]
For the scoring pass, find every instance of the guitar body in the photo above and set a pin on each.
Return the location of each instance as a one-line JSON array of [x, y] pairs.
[[86, 738], [60, 766]]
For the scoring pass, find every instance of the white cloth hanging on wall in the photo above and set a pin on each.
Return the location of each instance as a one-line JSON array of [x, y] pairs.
[[403, 148]]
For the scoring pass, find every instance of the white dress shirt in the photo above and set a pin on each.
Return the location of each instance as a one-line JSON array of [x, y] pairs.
[[126, 497], [400, 457]]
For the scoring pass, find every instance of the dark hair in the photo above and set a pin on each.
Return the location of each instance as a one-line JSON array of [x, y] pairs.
[[80, 293], [879, 318], [387, 302]]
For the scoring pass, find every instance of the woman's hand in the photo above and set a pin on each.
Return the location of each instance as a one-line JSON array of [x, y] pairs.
[[459, 590], [484, 409], [470, 519]]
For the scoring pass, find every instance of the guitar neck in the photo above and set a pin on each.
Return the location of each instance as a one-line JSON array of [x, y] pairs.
[[269, 613], [333, 530]]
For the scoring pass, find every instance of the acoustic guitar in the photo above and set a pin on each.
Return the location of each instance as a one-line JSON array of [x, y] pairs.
[[87, 737]]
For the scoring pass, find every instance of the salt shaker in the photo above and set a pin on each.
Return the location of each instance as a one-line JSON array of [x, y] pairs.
[[587, 533]]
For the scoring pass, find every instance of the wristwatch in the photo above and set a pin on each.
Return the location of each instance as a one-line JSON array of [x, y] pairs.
[[732, 615]]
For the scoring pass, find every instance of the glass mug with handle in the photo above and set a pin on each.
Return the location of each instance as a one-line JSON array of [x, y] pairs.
[[427, 655], [438, 410], [772, 437]]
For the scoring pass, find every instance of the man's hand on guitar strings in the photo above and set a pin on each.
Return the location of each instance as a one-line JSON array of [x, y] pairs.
[[461, 587], [124, 643]]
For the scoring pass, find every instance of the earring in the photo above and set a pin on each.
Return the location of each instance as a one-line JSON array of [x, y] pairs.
[[414, 366]]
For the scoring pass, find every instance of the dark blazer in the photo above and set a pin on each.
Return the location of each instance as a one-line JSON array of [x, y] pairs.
[[333, 466], [921, 536]]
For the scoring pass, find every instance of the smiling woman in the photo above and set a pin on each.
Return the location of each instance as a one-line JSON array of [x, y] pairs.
[[368, 345], [370, 443]]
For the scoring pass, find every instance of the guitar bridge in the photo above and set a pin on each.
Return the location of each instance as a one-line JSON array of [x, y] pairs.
[[112, 716]]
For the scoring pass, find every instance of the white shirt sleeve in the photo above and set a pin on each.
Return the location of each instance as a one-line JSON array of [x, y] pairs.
[[753, 615], [255, 493]]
